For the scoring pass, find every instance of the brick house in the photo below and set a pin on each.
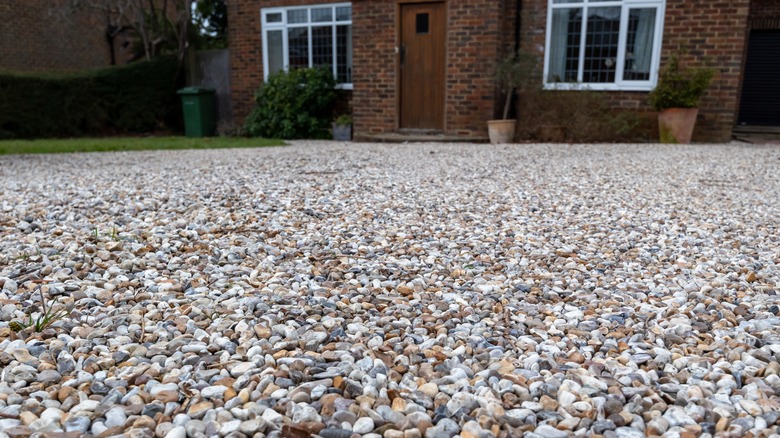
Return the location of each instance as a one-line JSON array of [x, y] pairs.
[[412, 66], [37, 36], [66, 36]]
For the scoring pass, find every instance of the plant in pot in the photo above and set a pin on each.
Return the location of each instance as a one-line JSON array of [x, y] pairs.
[[508, 75], [676, 98], [342, 128]]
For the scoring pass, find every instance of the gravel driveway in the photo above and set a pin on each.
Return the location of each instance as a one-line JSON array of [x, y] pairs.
[[398, 291]]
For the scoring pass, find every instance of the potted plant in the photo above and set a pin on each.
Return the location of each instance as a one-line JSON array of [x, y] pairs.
[[342, 128], [676, 98], [508, 75]]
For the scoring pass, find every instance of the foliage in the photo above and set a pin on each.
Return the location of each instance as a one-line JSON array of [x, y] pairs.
[[53, 146], [45, 318], [680, 87], [294, 104], [342, 120], [137, 98], [510, 73], [210, 19], [576, 117]]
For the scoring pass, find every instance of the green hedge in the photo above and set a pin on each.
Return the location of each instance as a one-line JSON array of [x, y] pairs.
[[137, 98]]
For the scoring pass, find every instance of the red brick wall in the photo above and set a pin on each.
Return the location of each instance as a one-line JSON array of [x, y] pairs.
[[373, 71], [246, 54], [764, 8], [473, 40], [708, 33], [33, 37], [246, 58], [474, 36], [712, 34]]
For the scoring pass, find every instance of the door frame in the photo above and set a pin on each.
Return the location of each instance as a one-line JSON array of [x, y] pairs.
[[398, 22]]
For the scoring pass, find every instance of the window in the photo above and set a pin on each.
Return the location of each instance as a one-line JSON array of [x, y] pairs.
[[309, 36], [603, 44]]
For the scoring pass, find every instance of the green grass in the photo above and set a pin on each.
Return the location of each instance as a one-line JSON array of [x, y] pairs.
[[56, 146]]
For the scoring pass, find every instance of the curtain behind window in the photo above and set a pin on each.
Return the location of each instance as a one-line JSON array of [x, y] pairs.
[[639, 57], [559, 36]]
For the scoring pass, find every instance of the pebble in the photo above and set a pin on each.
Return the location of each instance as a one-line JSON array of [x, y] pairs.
[[177, 432], [363, 425], [548, 431], [397, 291]]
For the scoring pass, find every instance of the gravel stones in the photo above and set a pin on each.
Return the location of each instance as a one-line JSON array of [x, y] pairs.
[[393, 291]]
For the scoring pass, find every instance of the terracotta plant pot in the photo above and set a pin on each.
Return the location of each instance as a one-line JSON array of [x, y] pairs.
[[675, 125], [501, 131]]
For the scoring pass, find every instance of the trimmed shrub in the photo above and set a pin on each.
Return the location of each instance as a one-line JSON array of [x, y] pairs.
[[133, 99], [576, 117], [294, 104], [680, 87]]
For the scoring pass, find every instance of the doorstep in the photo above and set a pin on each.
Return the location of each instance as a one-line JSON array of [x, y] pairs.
[[757, 134], [418, 137]]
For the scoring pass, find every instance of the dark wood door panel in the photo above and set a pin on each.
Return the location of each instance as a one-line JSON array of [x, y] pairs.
[[421, 63]]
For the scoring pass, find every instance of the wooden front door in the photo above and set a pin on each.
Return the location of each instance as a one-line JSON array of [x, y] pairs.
[[421, 66]]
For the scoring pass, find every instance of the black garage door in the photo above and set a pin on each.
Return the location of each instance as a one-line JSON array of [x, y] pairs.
[[760, 102]]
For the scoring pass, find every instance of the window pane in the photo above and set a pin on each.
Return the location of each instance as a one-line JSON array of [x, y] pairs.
[[297, 16], [322, 45], [344, 13], [344, 54], [422, 23], [639, 44], [319, 15], [275, 51], [298, 43], [601, 45], [275, 17], [565, 45], [566, 1]]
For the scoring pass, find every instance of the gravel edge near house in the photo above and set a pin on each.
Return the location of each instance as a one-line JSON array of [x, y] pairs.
[[393, 290]]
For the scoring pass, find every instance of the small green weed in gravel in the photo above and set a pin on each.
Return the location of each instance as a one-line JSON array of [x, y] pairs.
[[47, 317]]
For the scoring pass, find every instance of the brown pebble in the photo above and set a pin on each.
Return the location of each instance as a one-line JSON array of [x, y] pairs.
[[577, 357], [167, 396]]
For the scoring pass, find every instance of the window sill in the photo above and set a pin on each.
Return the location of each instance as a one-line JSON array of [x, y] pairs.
[[344, 87], [599, 87]]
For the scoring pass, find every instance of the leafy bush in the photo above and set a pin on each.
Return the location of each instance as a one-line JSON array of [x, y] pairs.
[[294, 104], [137, 98], [680, 87], [343, 120]]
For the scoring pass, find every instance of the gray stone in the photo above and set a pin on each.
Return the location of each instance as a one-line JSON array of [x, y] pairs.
[[335, 433], [462, 400], [48, 377], [177, 432], [115, 417], [363, 425], [195, 427], [629, 432], [548, 431]]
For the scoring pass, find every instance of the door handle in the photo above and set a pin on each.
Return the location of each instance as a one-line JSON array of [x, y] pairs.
[[402, 53]]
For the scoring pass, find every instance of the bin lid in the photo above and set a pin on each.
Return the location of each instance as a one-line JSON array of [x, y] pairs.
[[196, 90]]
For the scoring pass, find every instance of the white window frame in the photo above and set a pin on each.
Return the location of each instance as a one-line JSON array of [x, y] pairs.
[[619, 84], [284, 26]]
